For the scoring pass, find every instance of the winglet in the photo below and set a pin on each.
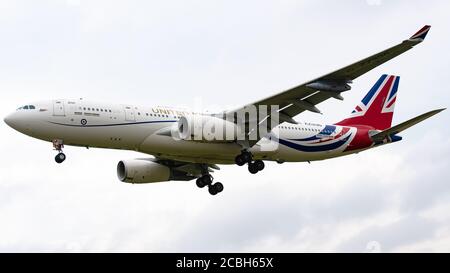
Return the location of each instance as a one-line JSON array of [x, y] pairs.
[[421, 34]]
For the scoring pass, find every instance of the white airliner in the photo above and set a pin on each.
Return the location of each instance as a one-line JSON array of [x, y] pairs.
[[151, 130]]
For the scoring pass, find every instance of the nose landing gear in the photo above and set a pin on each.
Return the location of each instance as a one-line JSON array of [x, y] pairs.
[[58, 146]]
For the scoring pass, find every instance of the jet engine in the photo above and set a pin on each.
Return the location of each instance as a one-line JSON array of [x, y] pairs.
[[207, 128], [142, 171]]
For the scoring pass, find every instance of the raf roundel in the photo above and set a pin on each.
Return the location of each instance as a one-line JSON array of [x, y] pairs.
[[83, 122]]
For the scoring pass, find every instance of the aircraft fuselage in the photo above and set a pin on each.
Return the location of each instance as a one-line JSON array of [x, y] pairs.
[[127, 127]]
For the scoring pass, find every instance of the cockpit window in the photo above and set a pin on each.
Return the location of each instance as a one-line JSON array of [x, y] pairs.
[[26, 107]]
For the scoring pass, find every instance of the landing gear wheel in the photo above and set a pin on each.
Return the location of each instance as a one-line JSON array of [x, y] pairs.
[[239, 160], [259, 165], [215, 188], [207, 179], [59, 158], [200, 183], [252, 168], [246, 156], [203, 181], [218, 186], [212, 190]]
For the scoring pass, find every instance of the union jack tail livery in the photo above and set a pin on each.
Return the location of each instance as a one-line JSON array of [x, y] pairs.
[[377, 107]]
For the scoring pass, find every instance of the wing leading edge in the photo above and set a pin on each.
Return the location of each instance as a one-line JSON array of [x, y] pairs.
[[305, 97]]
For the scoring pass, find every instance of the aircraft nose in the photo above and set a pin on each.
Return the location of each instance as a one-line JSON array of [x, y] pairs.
[[19, 121], [15, 121], [9, 119]]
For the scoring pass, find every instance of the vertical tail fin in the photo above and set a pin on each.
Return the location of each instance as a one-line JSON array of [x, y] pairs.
[[377, 107]]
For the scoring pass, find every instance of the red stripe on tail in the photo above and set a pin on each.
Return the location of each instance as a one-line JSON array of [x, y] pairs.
[[376, 115]]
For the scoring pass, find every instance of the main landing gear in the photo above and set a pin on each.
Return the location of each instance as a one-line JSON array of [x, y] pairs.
[[246, 157], [58, 146], [207, 180]]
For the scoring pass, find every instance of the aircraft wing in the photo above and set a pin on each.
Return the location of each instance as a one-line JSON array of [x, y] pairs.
[[184, 170], [380, 136], [305, 97]]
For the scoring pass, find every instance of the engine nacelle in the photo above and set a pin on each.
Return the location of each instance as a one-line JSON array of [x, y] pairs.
[[207, 128], [142, 171]]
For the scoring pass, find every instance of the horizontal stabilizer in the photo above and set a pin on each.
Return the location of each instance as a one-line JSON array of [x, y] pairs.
[[404, 125]]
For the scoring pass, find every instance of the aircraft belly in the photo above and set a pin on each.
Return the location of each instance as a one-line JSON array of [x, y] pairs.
[[116, 137], [157, 144], [290, 155]]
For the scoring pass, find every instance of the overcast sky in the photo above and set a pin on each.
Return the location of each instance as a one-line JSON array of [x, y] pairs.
[[223, 54]]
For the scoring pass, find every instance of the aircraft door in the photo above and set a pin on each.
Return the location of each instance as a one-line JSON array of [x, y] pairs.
[[129, 113], [58, 108]]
